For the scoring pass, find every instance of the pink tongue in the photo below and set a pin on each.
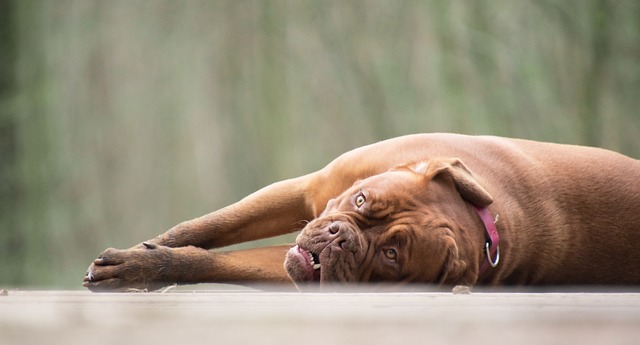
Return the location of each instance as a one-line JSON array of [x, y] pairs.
[[302, 255]]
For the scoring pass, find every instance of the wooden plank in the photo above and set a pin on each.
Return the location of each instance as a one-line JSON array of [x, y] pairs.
[[252, 317]]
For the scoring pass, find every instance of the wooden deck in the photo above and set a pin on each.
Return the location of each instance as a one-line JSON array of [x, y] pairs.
[[245, 316]]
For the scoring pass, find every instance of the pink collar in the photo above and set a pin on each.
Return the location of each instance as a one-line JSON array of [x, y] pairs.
[[492, 244]]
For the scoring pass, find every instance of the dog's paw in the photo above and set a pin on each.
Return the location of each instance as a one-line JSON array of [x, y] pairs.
[[143, 267]]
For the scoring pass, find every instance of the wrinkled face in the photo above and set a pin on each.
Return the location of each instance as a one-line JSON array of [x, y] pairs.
[[391, 227]]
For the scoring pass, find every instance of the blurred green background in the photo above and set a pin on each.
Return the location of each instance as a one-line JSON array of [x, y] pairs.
[[119, 119]]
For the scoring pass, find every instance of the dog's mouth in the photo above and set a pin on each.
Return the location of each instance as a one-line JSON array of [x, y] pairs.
[[303, 265]]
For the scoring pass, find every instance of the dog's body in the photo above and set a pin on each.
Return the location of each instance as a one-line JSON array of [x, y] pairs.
[[405, 210]]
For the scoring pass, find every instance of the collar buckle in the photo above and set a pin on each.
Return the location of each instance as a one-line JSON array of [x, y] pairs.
[[492, 263]]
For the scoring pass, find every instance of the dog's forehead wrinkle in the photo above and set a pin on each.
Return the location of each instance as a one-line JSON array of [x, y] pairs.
[[431, 222], [392, 209], [397, 235]]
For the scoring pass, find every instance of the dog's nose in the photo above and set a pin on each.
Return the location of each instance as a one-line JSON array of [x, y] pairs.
[[342, 236]]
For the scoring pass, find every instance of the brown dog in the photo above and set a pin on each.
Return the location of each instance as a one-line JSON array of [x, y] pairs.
[[430, 208]]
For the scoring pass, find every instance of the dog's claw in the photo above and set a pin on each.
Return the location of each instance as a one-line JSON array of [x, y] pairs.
[[150, 245]]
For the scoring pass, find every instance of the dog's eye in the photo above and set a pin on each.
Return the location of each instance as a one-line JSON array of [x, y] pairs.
[[360, 200], [391, 254]]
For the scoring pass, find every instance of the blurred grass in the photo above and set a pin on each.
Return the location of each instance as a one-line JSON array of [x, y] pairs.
[[122, 118]]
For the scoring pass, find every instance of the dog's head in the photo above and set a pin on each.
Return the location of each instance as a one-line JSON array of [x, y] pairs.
[[405, 225]]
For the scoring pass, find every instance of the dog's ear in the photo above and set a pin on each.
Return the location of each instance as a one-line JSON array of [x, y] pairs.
[[457, 171]]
